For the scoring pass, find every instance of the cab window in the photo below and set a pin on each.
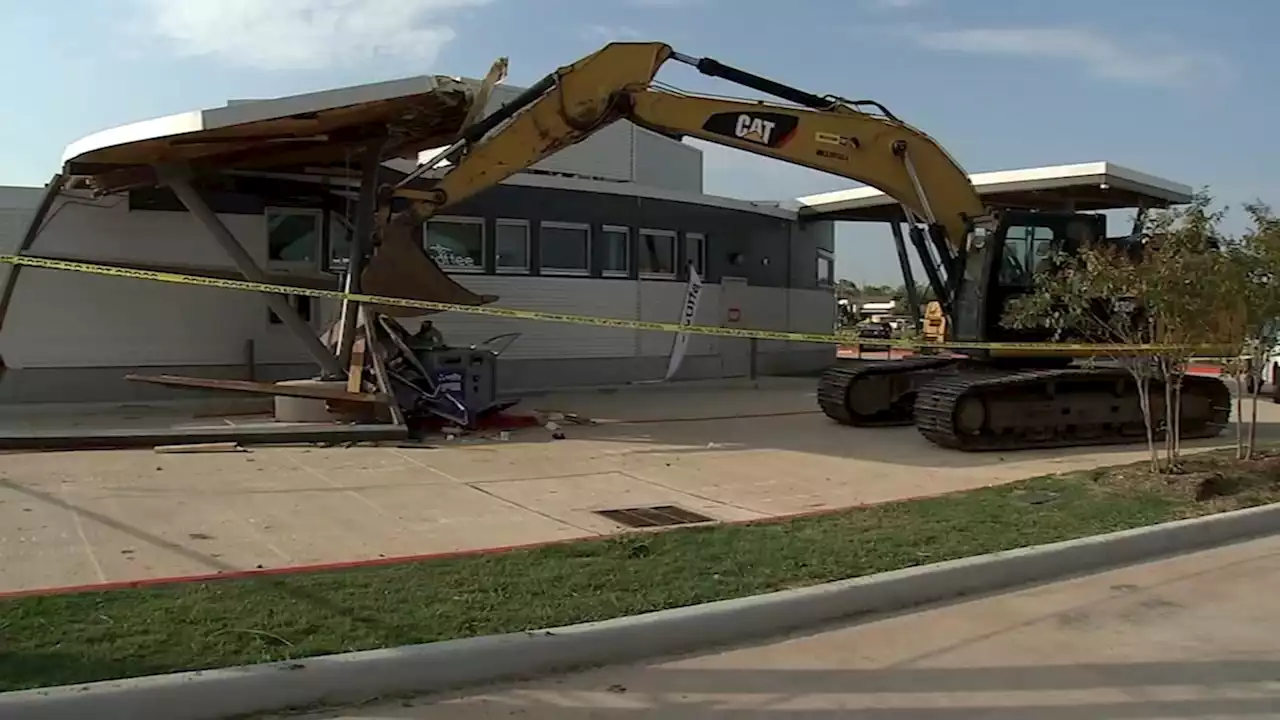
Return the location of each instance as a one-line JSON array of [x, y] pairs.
[[1027, 250]]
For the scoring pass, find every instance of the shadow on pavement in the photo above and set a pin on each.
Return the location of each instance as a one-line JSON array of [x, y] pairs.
[[815, 434], [1049, 692]]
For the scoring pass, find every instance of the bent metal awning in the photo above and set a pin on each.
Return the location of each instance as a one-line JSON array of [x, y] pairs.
[[1081, 187], [314, 130]]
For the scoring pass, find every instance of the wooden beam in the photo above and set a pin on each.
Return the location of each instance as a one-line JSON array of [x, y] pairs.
[[261, 388]]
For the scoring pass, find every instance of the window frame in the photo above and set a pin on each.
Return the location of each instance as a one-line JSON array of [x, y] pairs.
[[336, 221], [528, 247], [460, 220], [830, 257], [626, 244], [701, 263], [1026, 257], [321, 250], [564, 225], [675, 254]]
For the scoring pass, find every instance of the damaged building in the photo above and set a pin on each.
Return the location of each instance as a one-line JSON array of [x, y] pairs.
[[603, 228]]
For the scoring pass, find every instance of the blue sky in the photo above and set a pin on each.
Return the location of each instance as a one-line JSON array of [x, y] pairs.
[[1184, 89]]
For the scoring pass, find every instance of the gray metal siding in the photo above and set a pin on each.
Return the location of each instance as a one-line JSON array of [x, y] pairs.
[[728, 232]]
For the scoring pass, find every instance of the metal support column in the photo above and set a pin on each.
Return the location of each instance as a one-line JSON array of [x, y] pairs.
[[195, 204], [936, 280], [908, 277], [51, 191], [358, 248]]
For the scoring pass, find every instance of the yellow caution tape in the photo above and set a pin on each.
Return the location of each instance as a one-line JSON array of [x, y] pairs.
[[832, 339]]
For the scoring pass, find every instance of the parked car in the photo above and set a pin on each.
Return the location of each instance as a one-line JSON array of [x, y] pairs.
[[875, 331]]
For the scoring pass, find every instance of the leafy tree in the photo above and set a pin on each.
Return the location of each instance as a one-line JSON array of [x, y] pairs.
[[847, 290], [1166, 290], [1254, 272], [1189, 286]]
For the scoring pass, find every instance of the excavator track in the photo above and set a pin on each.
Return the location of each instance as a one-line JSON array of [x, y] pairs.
[[876, 393], [980, 408]]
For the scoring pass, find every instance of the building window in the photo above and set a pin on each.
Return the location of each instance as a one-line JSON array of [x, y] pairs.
[[455, 243], [340, 233], [565, 248], [617, 251], [294, 238], [657, 253], [1024, 248], [511, 240], [695, 250], [826, 268]]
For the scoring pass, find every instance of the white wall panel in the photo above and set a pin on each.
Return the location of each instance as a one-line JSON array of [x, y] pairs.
[[622, 152], [766, 309], [61, 319], [106, 230], [606, 154], [666, 163], [662, 302], [811, 311]]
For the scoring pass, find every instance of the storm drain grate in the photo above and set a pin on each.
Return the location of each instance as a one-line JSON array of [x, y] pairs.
[[655, 516]]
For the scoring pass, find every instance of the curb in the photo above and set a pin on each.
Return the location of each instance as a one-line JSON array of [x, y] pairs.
[[351, 678]]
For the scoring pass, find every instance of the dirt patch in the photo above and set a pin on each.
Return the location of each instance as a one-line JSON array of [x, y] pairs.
[[1202, 483]]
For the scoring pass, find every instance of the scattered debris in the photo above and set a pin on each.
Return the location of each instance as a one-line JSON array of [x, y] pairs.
[[395, 377]]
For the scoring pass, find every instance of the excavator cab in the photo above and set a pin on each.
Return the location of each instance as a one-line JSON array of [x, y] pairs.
[[1003, 261]]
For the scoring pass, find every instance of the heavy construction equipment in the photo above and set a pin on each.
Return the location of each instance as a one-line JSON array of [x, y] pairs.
[[976, 258]]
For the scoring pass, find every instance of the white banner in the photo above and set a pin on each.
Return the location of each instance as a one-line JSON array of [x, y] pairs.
[[687, 315]]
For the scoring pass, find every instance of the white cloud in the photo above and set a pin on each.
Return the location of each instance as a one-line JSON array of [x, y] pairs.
[[303, 34], [1151, 62]]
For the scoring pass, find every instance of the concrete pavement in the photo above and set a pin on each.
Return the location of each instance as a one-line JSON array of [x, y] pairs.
[[71, 518], [1196, 636]]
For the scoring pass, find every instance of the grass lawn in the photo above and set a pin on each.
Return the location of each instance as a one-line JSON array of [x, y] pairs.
[[60, 639]]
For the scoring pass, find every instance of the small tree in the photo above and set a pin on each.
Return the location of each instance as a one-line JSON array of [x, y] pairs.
[[1091, 296], [1254, 267], [1189, 288], [1164, 292]]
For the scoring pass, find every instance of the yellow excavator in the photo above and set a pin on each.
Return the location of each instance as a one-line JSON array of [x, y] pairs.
[[976, 258]]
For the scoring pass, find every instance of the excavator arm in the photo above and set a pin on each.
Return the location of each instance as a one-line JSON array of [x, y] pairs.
[[616, 82]]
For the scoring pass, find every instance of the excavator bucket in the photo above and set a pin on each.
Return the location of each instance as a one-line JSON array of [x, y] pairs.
[[400, 268]]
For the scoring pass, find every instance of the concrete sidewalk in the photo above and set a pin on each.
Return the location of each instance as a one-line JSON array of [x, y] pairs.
[[731, 453], [1190, 637]]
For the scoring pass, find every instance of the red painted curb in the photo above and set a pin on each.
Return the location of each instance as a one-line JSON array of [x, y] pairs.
[[399, 559]]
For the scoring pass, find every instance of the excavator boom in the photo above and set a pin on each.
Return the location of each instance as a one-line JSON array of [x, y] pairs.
[[615, 83]]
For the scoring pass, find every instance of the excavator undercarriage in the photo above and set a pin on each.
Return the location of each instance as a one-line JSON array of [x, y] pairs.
[[977, 406]]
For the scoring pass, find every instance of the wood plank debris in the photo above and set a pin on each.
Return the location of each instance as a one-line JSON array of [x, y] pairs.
[[213, 447], [262, 388]]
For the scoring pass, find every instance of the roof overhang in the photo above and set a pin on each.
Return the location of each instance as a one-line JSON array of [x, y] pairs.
[[320, 129], [1084, 187]]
